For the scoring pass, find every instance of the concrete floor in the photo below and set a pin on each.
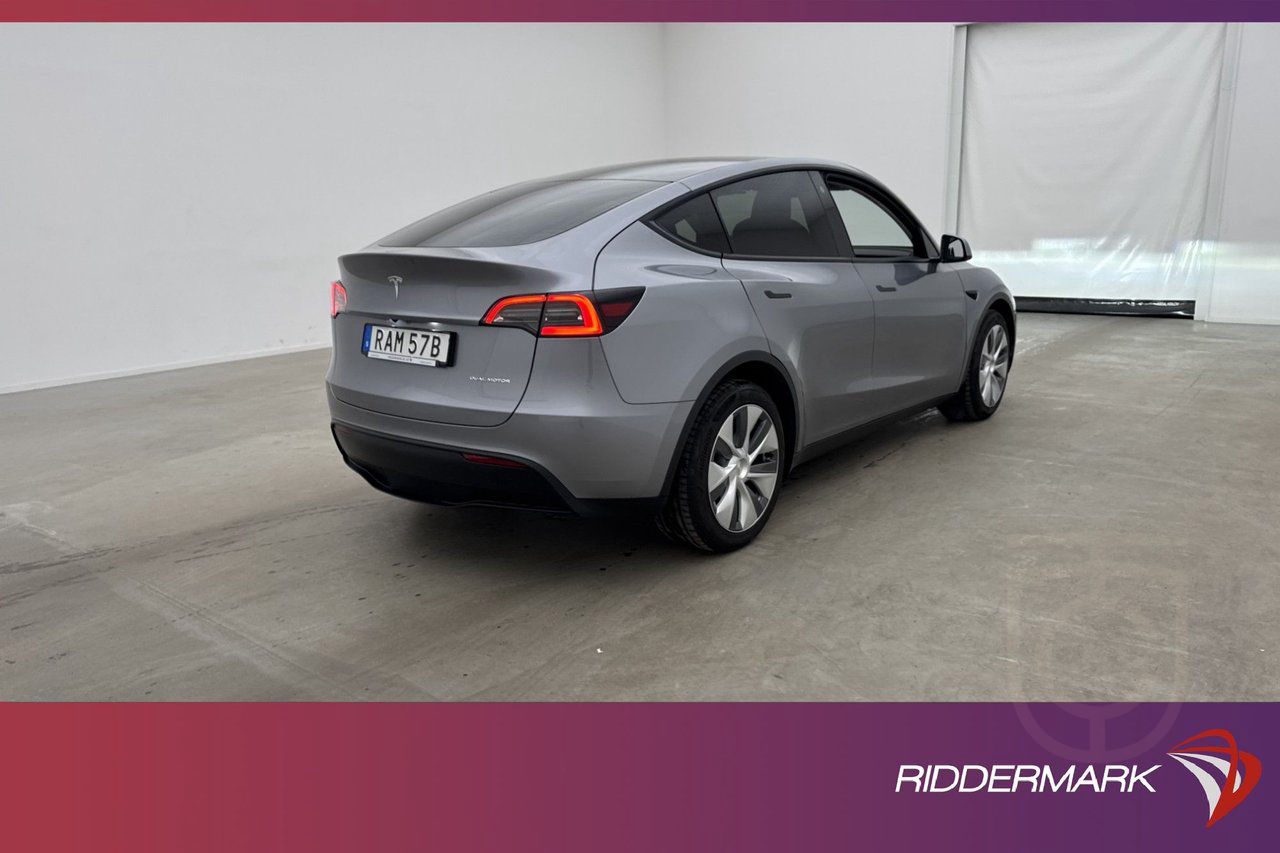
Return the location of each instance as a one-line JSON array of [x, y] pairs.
[[1113, 533]]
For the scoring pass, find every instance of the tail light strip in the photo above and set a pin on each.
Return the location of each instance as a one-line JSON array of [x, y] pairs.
[[565, 314], [337, 299], [560, 315]]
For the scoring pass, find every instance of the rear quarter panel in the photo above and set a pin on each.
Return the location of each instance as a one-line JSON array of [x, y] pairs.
[[693, 319]]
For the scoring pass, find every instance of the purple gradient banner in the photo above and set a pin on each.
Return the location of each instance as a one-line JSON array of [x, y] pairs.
[[641, 10], [639, 777]]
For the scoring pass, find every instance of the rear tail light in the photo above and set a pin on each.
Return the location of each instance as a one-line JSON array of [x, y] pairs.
[[616, 305], [337, 299], [522, 311], [565, 315], [570, 315]]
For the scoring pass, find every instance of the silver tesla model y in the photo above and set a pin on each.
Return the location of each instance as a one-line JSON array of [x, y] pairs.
[[668, 337]]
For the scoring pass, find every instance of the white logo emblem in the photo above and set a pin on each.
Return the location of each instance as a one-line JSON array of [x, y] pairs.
[[395, 282]]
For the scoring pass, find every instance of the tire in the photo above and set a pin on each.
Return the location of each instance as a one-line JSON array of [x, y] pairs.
[[735, 409], [986, 374]]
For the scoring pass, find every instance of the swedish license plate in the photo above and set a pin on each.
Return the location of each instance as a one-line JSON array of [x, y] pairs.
[[412, 346]]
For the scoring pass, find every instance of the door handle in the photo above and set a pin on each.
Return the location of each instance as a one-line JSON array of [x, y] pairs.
[[972, 294], [883, 289], [772, 295]]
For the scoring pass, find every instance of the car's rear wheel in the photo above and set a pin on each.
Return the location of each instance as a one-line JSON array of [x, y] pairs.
[[729, 470], [986, 373]]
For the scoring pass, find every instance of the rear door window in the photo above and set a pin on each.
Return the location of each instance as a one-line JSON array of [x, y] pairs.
[[778, 215], [694, 222], [524, 213]]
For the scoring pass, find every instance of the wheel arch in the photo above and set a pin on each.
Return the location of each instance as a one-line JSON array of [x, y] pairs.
[[764, 370], [1001, 304]]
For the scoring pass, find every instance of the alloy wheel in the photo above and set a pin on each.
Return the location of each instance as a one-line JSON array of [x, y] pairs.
[[743, 471], [993, 367]]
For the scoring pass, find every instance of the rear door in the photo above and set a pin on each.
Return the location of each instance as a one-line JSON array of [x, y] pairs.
[[919, 305], [814, 308]]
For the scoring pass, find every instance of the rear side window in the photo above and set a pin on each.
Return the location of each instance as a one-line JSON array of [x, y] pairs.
[[778, 215], [525, 213], [694, 222]]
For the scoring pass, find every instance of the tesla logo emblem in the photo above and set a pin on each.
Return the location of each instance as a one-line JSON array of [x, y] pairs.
[[1239, 770], [395, 282]]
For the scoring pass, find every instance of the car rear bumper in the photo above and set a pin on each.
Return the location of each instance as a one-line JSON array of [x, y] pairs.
[[585, 450], [443, 475]]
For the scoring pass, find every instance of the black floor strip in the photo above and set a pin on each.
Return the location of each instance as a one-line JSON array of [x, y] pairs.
[[1185, 308]]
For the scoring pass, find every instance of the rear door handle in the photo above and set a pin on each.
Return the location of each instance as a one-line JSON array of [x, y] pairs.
[[772, 295], [972, 294], [883, 289]]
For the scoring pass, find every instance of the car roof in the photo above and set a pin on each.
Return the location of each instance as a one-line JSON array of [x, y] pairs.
[[697, 171], [666, 171]]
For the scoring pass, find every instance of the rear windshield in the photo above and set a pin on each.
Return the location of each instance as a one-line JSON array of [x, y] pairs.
[[525, 213]]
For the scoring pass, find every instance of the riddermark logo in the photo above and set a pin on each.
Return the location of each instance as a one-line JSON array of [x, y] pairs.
[[1240, 770], [1200, 754]]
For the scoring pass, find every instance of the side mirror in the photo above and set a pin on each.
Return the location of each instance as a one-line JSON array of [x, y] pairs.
[[955, 249]]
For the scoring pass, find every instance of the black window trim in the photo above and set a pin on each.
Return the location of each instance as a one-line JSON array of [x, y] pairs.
[[820, 176]]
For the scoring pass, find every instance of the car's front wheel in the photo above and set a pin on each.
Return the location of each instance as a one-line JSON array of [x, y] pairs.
[[986, 372], [729, 470]]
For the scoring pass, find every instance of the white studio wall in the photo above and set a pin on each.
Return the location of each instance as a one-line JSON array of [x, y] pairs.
[[875, 96], [177, 194], [174, 194]]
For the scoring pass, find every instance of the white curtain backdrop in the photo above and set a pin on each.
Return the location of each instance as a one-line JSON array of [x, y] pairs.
[[1085, 156]]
